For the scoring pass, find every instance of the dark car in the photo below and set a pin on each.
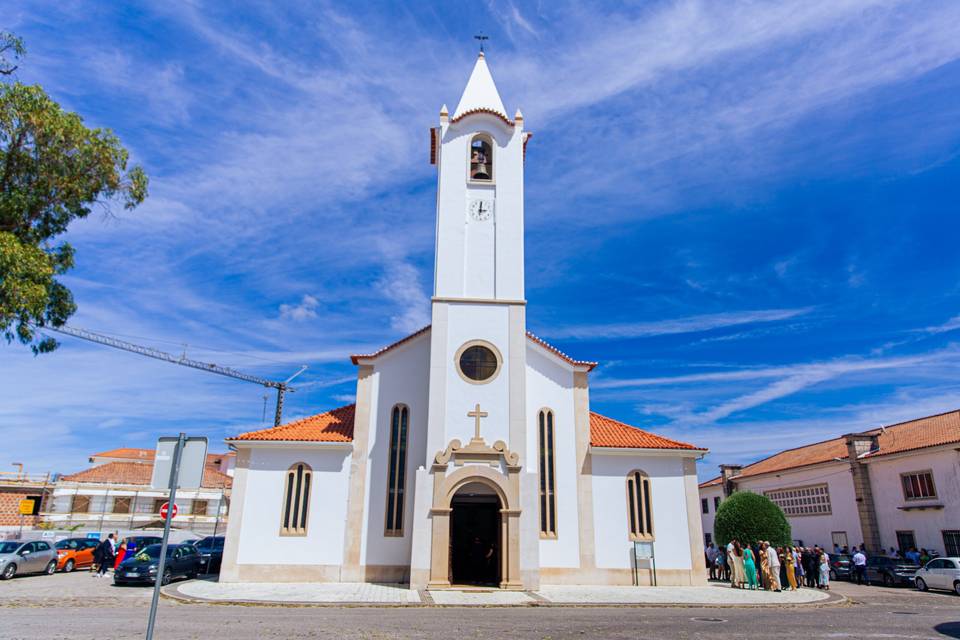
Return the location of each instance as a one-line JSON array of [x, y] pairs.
[[183, 560], [135, 543], [211, 553], [841, 566], [890, 572]]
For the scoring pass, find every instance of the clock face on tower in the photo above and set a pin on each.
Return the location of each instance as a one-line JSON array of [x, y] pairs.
[[481, 209]]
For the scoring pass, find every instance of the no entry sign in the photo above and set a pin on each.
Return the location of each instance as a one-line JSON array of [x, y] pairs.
[[163, 510]]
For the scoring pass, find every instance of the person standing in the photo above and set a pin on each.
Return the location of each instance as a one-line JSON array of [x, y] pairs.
[[798, 565], [750, 567], [860, 566], [711, 554], [723, 568], [106, 555], [764, 566], [789, 563], [736, 565], [824, 560], [773, 561]]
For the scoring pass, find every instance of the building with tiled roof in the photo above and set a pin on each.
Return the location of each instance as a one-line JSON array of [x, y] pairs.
[[471, 430], [221, 461], [116, 496], [894, 486]]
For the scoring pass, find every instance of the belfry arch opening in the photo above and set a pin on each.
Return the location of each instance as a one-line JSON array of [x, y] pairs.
[[475, 536]]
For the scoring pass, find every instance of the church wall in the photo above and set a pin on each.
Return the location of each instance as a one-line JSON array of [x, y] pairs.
[[400, 377], [259, 539], [550, 385], [468, 322], [613, 546]]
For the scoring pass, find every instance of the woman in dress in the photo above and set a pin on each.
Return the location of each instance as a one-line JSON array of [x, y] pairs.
[[824, 571], [736, 563], [750, 567], [790, 563], [765, 565]]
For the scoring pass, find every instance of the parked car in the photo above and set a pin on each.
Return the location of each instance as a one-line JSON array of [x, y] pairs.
[[211, 553], [841, 566], [940, 573], [135, 543], [183, 560], [192, 541], [75, 553], [18, 557], [890, 571]]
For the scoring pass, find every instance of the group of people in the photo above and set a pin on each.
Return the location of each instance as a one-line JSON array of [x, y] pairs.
[[108, 555], [763, 566]]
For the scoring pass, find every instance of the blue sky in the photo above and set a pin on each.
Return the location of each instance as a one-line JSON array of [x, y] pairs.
[[747, 211]]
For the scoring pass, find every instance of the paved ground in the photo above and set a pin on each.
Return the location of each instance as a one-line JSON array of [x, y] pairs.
[[395, 595], [79, 607]]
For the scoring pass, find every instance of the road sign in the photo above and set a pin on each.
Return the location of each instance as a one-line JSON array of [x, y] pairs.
[[26, 506], [193, 458], [163, 510], [93, 535]]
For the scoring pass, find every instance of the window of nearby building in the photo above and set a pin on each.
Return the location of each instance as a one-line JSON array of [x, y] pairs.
[[548, 480], [157, 503], [707, 539], [839, 538], [906, 541], [80, 504], [951, 542], [121, 504], [199, 507], [639, 506], [704, 505], [813, 500], [481, 158], [397, 475], [918, 485], [296, 500], [716, 503]]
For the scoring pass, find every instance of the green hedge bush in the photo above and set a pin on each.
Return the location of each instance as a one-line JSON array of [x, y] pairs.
[[750, 517]]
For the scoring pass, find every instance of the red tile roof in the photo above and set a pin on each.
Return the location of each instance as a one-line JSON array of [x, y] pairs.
[[921, 433], [138, 473], [146, 455], [607, 432], [710, 483], [333, 426], [540, 341]]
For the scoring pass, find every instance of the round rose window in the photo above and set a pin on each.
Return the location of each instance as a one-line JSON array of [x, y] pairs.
[[478, 363]]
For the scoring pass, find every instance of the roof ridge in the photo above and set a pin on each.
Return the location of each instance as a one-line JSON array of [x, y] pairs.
[[680, 444], [782, 451]]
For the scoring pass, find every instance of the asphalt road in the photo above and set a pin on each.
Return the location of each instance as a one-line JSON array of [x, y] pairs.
[[79, 607]]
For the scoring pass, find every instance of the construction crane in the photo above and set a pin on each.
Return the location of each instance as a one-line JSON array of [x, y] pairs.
[[281, 387]]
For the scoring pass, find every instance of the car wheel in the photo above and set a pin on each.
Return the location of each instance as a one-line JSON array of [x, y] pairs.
[[833, 575], [887, 580], [68, 567], [9, 572], [956, 587], [921, 584], [167, 577], [51, 568]]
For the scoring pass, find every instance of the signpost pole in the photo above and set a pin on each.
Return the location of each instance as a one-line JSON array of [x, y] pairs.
[[174, 478]]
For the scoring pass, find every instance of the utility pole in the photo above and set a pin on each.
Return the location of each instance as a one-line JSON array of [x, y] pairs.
[[183, 360]]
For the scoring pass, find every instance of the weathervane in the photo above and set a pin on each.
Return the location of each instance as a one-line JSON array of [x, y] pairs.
[[481, 38]]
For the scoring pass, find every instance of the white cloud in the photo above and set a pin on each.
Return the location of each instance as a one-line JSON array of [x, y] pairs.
[[691, 324], [305, 310], [401, 284]]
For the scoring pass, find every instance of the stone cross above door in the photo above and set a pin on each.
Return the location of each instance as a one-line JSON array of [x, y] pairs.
[[476, 413]]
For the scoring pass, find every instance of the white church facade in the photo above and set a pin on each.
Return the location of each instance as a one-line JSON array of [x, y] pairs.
[[471, 455]]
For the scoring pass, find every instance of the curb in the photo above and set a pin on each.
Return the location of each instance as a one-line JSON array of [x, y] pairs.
[[172, 592]]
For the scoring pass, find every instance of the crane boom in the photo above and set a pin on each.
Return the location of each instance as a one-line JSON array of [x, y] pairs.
[[150, 352]]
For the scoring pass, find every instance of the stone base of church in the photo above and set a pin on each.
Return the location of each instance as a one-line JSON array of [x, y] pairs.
[[315, 573], [624, 577]]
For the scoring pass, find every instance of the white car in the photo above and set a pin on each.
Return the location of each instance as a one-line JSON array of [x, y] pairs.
[[940, 573]]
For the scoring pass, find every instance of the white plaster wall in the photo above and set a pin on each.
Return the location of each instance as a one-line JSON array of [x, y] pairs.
[[550, 385], [706, 519], [468, 322], [927, 525], [817, 529], [611, 527], [259, 539], [399, 377], [480, 259]]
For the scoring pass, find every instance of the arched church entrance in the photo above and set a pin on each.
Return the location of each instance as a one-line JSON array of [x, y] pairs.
[[475, 536]]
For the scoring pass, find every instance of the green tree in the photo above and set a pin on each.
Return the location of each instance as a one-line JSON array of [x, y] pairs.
[[750, 517], [53, 170]]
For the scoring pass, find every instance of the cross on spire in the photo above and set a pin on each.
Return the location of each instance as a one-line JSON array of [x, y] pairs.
[[481, 38], [476, 413]]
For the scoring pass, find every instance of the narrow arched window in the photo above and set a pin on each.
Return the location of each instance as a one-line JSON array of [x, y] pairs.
[[296, 500], [639, 506], [481, 158], [548, 480], [397, 475]]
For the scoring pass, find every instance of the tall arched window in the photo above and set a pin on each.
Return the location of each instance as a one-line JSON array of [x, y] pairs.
[[397, 476], [296, 500], [481, 158], [639, 506], [548, 480]]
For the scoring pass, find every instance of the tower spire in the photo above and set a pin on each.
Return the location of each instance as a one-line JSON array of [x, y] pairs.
[[481, 92]]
